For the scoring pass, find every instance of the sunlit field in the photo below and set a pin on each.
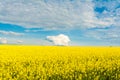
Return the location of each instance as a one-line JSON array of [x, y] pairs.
[[59, 63]]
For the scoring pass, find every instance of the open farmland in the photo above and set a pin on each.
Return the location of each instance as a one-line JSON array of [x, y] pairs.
[[59, 63]]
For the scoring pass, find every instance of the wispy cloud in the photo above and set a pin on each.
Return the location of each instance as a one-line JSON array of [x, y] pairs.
[[35, 30], [111, 13], [108, 35], [10, 33], [19, 41], [51, 14]]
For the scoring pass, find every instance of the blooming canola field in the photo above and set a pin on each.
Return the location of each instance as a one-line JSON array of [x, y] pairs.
[[19, 62]]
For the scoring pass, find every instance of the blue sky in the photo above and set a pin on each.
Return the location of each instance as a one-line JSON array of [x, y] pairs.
[[84, 22]]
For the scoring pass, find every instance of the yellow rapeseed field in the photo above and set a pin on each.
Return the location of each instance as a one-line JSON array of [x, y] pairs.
[[59, 63]]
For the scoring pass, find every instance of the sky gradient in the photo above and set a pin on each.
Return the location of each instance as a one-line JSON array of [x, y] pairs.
[[54, 22]]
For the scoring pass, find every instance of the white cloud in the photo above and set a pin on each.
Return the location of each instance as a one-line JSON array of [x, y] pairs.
[[10, 33], [51, 14], [3, 41], [60, 39]]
